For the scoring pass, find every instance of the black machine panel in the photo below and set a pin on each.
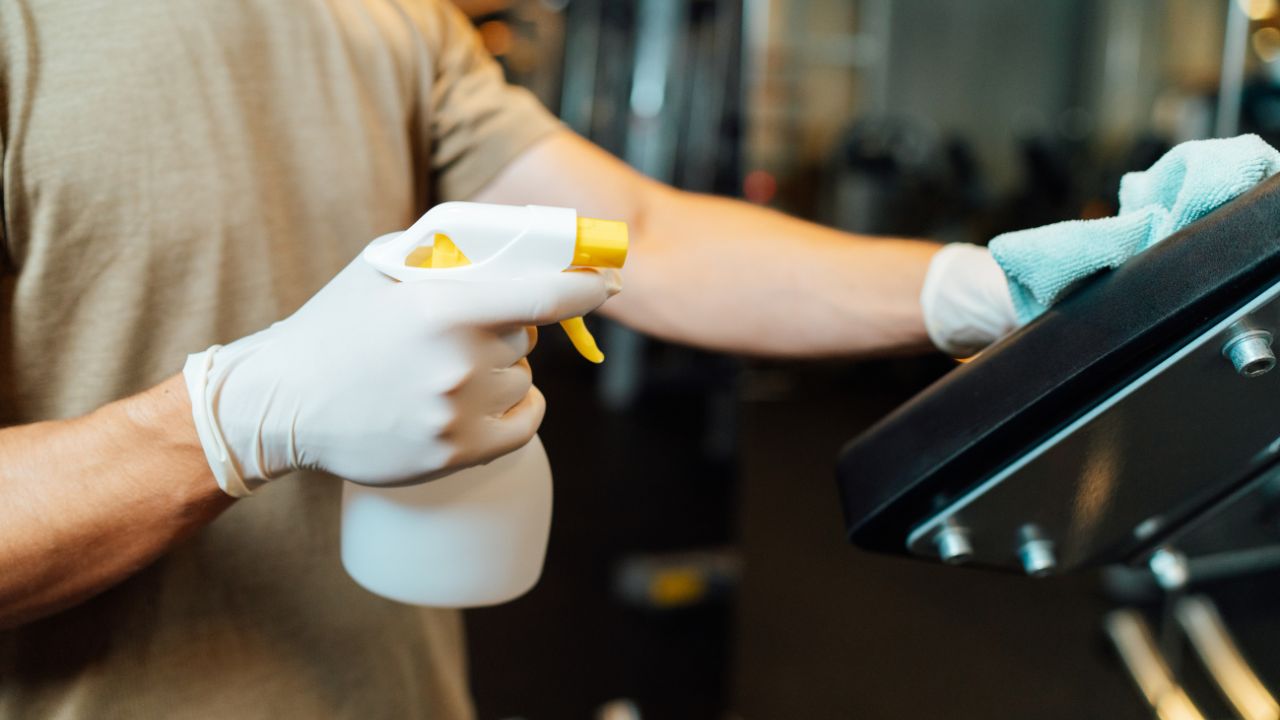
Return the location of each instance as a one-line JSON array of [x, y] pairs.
[[1098, 430]]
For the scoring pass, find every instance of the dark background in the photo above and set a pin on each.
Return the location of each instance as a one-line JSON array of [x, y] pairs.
[[947, 119]]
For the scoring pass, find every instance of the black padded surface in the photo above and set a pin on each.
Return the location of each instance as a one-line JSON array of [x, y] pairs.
[[985, 414]]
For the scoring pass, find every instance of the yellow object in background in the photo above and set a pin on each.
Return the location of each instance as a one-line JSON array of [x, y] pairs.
[[677, 587]]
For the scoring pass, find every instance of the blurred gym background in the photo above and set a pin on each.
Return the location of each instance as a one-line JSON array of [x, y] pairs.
[[697, 567]]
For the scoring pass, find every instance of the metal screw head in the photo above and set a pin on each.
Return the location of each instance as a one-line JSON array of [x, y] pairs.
[[1146, 529], [1169, 568], [1250, 352], [1036, 552], [1037, 557], [953, 545]]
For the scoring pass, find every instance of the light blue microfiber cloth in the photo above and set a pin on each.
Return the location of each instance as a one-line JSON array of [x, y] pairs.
[[1191, 180]]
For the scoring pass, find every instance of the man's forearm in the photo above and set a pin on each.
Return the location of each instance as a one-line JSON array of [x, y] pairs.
[[726, 275], [84, 503]]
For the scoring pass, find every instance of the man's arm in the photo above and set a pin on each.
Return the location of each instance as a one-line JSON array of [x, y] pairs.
[[89, 501], [85, 503], [725, 275]]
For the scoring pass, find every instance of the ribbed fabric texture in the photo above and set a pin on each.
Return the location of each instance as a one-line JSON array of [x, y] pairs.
[[1043, 264]]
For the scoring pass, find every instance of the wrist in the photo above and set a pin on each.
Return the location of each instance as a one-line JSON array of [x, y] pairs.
[[204, 386], [161, 418]]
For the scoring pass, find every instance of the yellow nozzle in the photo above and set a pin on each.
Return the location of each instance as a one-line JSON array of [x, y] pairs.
[[601, 244]]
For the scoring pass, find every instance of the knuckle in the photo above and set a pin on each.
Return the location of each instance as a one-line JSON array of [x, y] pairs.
[[457, 383], [523, 370], [452, 422], [537, 406], [542, 310], [455, 454], [453, 327]]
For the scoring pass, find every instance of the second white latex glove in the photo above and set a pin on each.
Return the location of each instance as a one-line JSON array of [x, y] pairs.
[[966, 300], [381, 382]]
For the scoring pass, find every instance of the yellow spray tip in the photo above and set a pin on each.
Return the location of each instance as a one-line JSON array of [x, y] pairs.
[[601, 243]]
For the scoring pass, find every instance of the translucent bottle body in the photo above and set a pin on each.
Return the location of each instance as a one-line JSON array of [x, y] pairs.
[[474, 537]]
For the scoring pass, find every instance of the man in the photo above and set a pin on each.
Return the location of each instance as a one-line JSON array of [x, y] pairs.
[[179, 173]]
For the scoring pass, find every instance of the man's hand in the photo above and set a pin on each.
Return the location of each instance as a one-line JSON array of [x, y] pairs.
[[378, 381], [381, 382], [966, 300]]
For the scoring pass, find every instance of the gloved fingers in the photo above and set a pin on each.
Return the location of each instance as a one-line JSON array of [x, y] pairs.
[[501, 349], [516, 344], [545, 299], [515, 428], [359, 276], [966, 301], [508, 387]]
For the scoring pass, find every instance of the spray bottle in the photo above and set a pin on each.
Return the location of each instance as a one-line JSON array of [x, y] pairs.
[[477, 536]]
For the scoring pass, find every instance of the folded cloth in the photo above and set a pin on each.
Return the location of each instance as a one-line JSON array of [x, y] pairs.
[[1043, 264]]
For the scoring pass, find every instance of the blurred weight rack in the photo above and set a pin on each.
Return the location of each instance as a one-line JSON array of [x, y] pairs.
[[632, 616]]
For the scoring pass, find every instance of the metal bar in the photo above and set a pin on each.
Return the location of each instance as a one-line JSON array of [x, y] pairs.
[[1200, 620], [661, 32], [660, 35], [581, 58], [1132, 638], [1231, 84], [1232, 563], [875, 20]]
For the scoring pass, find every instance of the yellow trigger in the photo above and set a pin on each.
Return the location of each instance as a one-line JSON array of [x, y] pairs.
[[582, 340]]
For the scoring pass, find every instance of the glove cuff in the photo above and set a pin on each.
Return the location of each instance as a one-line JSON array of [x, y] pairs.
[[203, 406]]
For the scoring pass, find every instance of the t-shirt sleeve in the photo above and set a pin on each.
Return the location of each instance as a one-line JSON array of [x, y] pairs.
[[4, 239], [474, 121]]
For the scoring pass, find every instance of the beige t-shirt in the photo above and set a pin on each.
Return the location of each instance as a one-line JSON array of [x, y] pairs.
[[178, 173]]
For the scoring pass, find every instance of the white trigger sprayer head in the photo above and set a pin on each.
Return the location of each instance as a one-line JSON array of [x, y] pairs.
[[488, 242], [500, 241]]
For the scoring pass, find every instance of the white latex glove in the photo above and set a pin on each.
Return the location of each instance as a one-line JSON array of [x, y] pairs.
[[966, 300], [381, 382]]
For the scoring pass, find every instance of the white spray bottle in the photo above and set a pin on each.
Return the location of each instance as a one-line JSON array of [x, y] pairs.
[[477, 536]]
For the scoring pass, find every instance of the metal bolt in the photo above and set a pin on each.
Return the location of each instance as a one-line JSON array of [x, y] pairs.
[[1148, 528], [1169, 568], [1036, 552], [1250, 352], [953, 544]]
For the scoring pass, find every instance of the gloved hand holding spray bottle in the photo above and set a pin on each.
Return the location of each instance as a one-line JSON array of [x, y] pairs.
[[477, 536]]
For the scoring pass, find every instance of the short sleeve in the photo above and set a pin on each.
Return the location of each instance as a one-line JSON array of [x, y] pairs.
[[475, 122], [5, 262]]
